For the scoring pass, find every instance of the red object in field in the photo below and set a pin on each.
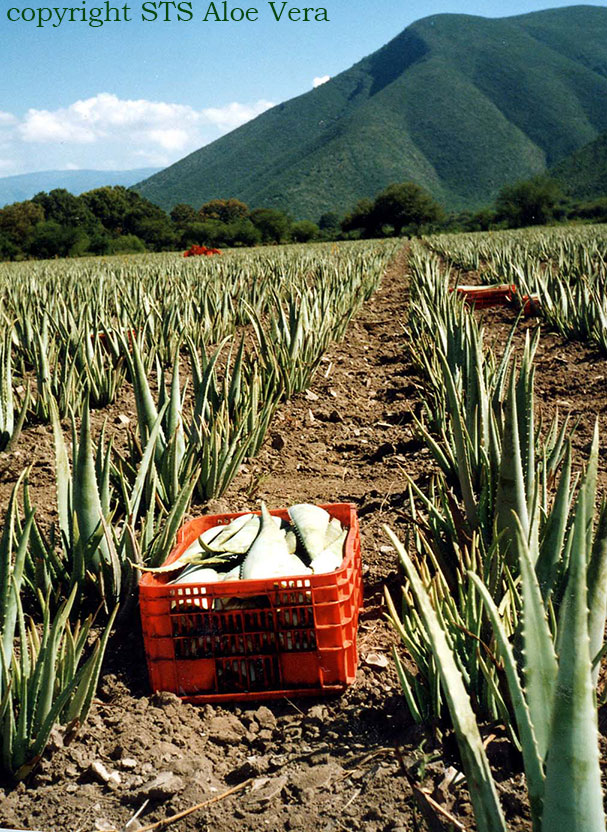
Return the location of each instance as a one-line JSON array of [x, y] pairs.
[[483, 297], [292, 636], [130, 334], [195, 251]]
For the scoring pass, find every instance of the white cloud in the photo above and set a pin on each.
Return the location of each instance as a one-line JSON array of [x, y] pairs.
[[169, 138], [320, 80], [7, 119], [233, 115], [106, 132], [44, 126]]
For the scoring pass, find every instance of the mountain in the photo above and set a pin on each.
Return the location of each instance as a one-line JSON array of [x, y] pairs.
[[457, 103], [26, 185], [583, 174]]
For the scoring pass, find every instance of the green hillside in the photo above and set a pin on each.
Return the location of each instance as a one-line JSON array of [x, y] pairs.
[[459, 104], [583, 174]]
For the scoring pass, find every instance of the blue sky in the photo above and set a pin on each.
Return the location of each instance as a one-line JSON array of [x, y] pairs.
[[137, 93]]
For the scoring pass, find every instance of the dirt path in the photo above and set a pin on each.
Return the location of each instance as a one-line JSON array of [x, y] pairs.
[[322, 765]]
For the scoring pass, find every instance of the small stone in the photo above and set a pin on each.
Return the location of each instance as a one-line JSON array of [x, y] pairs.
[[318, 777], [165, 785], [225, 730], [163, 698], [265, 718], [318, 758], [99, 771], [127, 763], [55, 740], [265, 789], [379, 660], [252, 767], [318, 713]]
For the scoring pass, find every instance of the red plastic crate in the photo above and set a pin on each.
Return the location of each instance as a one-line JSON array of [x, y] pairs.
[[296, 636], [483, 297]]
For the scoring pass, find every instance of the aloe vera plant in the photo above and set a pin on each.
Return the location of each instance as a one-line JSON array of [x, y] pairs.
[[45, 676], [93, 550], [555, 709], [10, 422]]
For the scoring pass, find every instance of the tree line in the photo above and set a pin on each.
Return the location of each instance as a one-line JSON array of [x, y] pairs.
[[115, 220]]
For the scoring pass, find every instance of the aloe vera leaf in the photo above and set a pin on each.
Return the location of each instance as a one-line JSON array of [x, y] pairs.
[[461, 445], [146, 409], [551, 546], [487, 810], [540, 664], [597, 588], [410, 697], [174, 415], [525, 417], [510, 495], [589, 484], [573, 797], [134, 499], [63, 478], [12, 575], [18, 427], [80, 704], [161, 546], [85, 496], [534, 770]]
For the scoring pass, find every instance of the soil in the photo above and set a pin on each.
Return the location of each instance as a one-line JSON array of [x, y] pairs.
[[349, 762]]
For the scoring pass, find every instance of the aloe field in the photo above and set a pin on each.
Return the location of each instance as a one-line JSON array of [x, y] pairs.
[[138, 392]]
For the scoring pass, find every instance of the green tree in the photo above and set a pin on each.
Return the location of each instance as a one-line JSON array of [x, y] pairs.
[[126, 244], [51, 239], [405, 205], [8, 249], [329, 222], [241, 232], [111, 205], [157, 233], [595, 210], [274, 226], [67, 210], [17, 222], [183, 215], [304, 231], [360, 218], [533, 201], [224, 210]]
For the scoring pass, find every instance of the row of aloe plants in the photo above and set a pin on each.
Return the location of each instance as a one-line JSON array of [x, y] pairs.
[[565, 268], [503, 612], [70, 325], [209, 350]]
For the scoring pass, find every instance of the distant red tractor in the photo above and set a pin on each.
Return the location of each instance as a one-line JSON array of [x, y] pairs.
[[195, 251]]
